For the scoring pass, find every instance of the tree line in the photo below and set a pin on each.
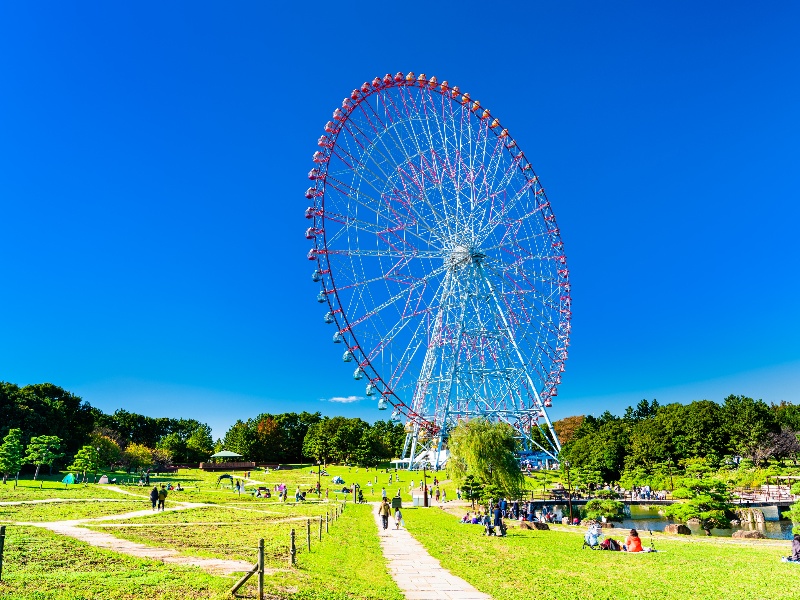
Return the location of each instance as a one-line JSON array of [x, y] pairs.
[[651, 439], [44, 424], [298, 437]]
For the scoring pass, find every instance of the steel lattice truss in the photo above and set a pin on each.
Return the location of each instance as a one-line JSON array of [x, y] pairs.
[[439, 260]]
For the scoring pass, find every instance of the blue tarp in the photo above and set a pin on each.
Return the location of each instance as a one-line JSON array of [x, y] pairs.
[[70, 478]]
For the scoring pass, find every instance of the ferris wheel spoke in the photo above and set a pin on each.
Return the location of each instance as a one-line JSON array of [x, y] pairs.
[[404, 293], [414, 174], [397, 168]]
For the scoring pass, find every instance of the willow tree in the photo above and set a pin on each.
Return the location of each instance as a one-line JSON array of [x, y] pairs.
[[487, 451]]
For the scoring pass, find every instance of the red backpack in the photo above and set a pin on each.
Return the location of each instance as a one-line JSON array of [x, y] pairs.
[[610, 544]]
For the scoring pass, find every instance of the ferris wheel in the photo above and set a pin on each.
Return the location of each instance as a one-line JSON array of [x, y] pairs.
[[440, 266]]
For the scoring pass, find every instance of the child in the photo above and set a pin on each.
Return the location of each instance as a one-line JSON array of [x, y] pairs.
[[398, 518]]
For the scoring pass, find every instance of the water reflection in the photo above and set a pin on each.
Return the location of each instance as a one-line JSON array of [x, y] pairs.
[[644, 519]]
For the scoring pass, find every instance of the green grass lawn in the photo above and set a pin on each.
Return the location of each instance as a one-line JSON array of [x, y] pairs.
[[346, 565], [226, 532], [61, 511], [27, 489], [551, 564], [237, 513], [39, 565]]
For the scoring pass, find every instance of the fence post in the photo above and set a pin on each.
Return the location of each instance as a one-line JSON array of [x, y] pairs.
[[2, 543], [320, 529], [308, 533], [326, 522], [292, 550], [261, 569]]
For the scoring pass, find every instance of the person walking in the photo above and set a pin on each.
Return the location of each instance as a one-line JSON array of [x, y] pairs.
[[154, 496], [162, 497], [384, 510], [398, 518], [383, 493]]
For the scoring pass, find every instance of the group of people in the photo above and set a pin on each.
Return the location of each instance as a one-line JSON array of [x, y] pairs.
[[646, 493], [491, 519], [158, 496], [633, 543]]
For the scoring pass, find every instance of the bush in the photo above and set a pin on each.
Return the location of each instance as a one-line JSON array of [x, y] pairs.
[[682, 494], [607, 495], [612, 510]]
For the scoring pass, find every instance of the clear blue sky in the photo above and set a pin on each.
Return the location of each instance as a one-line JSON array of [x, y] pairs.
[[153, 159]]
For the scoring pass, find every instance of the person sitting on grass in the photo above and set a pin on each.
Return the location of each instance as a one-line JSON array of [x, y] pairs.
[[795, 557], [632, 542], [466, 518], [178, 488]]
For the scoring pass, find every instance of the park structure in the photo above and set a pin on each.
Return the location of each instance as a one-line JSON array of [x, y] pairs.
[[439, 263]]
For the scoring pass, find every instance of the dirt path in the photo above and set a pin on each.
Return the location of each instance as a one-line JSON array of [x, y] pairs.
[[60, 500], [216, 566], [74, 530]]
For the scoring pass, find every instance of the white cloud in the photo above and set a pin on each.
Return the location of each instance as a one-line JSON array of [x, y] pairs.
[[342, 399]]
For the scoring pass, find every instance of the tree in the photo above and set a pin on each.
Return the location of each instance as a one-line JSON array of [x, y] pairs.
[[109, 450], [784, 444], [600, 445], [487, 451], [171, 445], [200, 444], [612, 510], [87, 459], [161, 458], [43, 450], [138, 456], [644, 410], [471, 489], [317, 444], [748, 423], [11, 454], [709, 503], [787, 414], [567, 428]]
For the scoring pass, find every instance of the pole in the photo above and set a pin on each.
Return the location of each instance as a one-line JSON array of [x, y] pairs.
[[320, 529], [569, 492], [261, 569], [424, 486], [2, 543], [308, 533], [327, 519], [292, 550]]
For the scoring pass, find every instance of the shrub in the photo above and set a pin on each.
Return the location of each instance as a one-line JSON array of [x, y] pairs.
[[612, 510]]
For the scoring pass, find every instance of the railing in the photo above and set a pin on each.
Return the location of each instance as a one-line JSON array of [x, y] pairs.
[[227, 466]]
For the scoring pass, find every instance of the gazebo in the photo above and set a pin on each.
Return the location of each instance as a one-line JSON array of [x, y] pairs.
[[225, 461]]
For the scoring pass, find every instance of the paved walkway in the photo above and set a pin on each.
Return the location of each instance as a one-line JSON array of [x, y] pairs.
[[417, 573]]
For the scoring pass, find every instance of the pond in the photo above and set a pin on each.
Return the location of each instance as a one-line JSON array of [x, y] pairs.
[[644, 518]]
